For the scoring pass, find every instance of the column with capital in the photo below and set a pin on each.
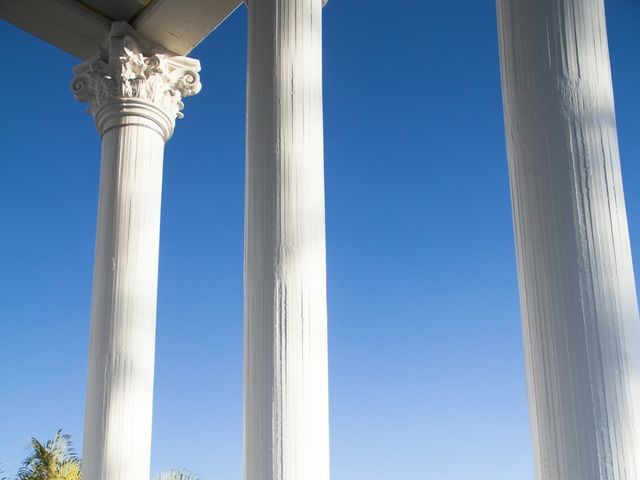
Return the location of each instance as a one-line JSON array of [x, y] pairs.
[[286, 371], [134, 94], [580, 322]]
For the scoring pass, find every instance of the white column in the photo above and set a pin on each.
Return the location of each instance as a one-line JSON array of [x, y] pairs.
[[134, 98], [578, 298], [286, 385]]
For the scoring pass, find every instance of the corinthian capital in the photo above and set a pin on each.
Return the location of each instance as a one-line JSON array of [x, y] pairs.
[[125, 70]]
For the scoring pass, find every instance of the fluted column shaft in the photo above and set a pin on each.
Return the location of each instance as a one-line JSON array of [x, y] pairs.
[[135, 99], [120, 392], [286, 384], [578, 298]]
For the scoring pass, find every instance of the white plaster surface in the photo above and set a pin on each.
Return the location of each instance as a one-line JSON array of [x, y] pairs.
[[578, 298], [286, 385], [117, 437], [135, 99]]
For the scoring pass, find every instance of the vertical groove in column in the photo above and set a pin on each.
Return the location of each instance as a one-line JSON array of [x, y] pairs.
[[580, 320], [120, 392], [286, 377], [134, 97]]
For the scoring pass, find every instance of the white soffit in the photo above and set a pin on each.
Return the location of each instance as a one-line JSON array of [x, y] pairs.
[[79, 27]]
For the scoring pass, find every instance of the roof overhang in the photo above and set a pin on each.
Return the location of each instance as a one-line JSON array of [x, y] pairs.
[[80, 27]]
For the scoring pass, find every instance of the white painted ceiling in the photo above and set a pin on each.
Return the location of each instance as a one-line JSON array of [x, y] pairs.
[[80, 26], [118, 9]]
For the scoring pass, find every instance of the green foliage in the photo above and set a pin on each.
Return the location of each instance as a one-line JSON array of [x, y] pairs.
[[177, 475], [54, 460]]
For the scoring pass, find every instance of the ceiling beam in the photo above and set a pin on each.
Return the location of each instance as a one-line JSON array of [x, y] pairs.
[[66, 24], [180, 25]]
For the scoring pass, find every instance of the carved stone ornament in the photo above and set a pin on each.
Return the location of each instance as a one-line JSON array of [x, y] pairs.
[[122, 71]]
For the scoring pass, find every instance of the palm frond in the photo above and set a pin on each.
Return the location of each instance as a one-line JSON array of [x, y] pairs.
[[177, 475], [69, 470], [54, 460]]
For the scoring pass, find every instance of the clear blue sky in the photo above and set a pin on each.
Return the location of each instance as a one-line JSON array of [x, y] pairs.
[[426, 366]]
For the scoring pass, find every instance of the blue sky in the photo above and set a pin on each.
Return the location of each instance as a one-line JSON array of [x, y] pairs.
[[426, 367]]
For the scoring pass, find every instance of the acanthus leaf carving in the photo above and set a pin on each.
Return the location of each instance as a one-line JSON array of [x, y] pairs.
[[123, 71]]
